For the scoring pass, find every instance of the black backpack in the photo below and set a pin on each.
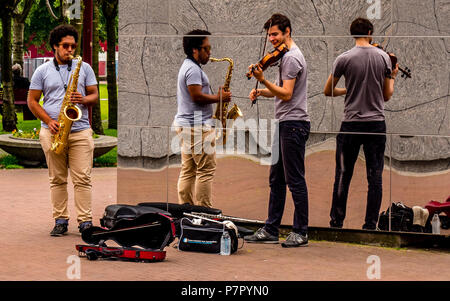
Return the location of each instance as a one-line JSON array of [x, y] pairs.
[[204, 237], [401, 218]]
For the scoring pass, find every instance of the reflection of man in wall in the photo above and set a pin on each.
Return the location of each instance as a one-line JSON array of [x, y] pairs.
[[290, 96], [369, 82], [19, 82], [193, 122]]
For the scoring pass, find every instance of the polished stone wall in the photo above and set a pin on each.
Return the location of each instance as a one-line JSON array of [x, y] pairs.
[[150, 54]]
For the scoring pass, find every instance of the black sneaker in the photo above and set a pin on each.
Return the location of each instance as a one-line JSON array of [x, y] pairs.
[[369, 227], [59, 230], [83, 226], [262, 236], [295, 240], [334, 224]]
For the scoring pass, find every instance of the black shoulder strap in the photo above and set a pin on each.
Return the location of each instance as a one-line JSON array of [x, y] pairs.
[[55, 62]]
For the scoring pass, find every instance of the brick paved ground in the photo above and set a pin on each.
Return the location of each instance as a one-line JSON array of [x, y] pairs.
[[27, 252]]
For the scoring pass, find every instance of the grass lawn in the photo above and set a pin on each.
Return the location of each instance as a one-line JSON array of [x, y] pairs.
[[107, 160]]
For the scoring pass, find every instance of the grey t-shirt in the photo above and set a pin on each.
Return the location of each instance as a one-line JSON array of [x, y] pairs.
[[293, 65], [189, 112], [51, 82], [364, 69]]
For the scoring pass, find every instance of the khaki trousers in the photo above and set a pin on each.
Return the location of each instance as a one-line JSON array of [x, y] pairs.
[[198, 165], [79, 159]]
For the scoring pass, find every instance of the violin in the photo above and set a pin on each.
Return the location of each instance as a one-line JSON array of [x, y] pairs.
[[269, 59], [406, 72]]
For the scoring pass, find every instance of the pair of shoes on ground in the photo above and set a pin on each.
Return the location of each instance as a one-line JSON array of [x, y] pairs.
[[61, 228], [262, 236], [338, 225]]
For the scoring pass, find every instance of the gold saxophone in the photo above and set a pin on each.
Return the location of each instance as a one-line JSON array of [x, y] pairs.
[[68, 114], [222, 112]]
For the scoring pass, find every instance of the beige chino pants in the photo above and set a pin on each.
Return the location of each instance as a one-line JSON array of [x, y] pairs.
[[198, 165], [78, 159]]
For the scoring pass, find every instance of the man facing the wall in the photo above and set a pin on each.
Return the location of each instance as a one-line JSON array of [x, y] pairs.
[[369, 82]]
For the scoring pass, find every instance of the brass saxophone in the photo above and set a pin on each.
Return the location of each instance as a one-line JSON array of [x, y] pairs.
[[222, 112], [68, 114]]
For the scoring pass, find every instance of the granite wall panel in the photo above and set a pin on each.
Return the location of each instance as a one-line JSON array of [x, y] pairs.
[[150, 39]]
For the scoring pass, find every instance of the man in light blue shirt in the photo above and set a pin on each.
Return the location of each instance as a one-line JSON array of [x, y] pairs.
[[194, 122], [52, 80]]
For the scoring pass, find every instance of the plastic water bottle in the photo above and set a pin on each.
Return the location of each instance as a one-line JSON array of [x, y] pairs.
[[436, 224], [225, 243]]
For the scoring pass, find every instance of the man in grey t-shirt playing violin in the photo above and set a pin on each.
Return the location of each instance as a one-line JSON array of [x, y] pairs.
[[290, 97], [369, 82]]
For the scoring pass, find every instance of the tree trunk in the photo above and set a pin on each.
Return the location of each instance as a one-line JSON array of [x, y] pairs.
[[18, 28], [110, 8], [9, 119], [97, 125], [18, 43]]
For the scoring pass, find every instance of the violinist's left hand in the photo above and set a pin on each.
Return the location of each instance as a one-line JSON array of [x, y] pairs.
[[257, 72], [395, 71]]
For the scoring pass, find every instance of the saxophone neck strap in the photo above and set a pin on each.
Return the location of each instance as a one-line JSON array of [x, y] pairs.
[[69, 65]]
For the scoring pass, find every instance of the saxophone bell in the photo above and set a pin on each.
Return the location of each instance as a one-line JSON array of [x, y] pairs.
[[222, 113], [72, 112], [234, 113]]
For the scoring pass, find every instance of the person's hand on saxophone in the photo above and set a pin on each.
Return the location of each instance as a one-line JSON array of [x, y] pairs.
[[77, 98], [53, 126], [226, 96], [90, 99]]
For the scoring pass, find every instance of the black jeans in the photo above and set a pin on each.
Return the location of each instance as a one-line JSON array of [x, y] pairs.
[[289, 170], [347, 149]]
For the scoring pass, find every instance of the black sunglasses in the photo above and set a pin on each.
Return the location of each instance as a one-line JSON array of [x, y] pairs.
[[207, 48], [67, 45]]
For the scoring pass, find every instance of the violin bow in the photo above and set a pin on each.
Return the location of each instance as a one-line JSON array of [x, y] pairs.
[[263, 51]]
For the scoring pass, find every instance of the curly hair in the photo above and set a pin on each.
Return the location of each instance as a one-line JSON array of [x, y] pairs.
[[190, 43], [60, 32]]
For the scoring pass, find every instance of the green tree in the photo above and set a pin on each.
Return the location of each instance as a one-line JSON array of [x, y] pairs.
[[39, 24], [62, 7], [9, 120], [97, 125], [110, 11], [18, 30], [64, 17]]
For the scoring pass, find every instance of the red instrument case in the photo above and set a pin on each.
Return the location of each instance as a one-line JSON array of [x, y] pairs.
[[132, 254], [142, 233]]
